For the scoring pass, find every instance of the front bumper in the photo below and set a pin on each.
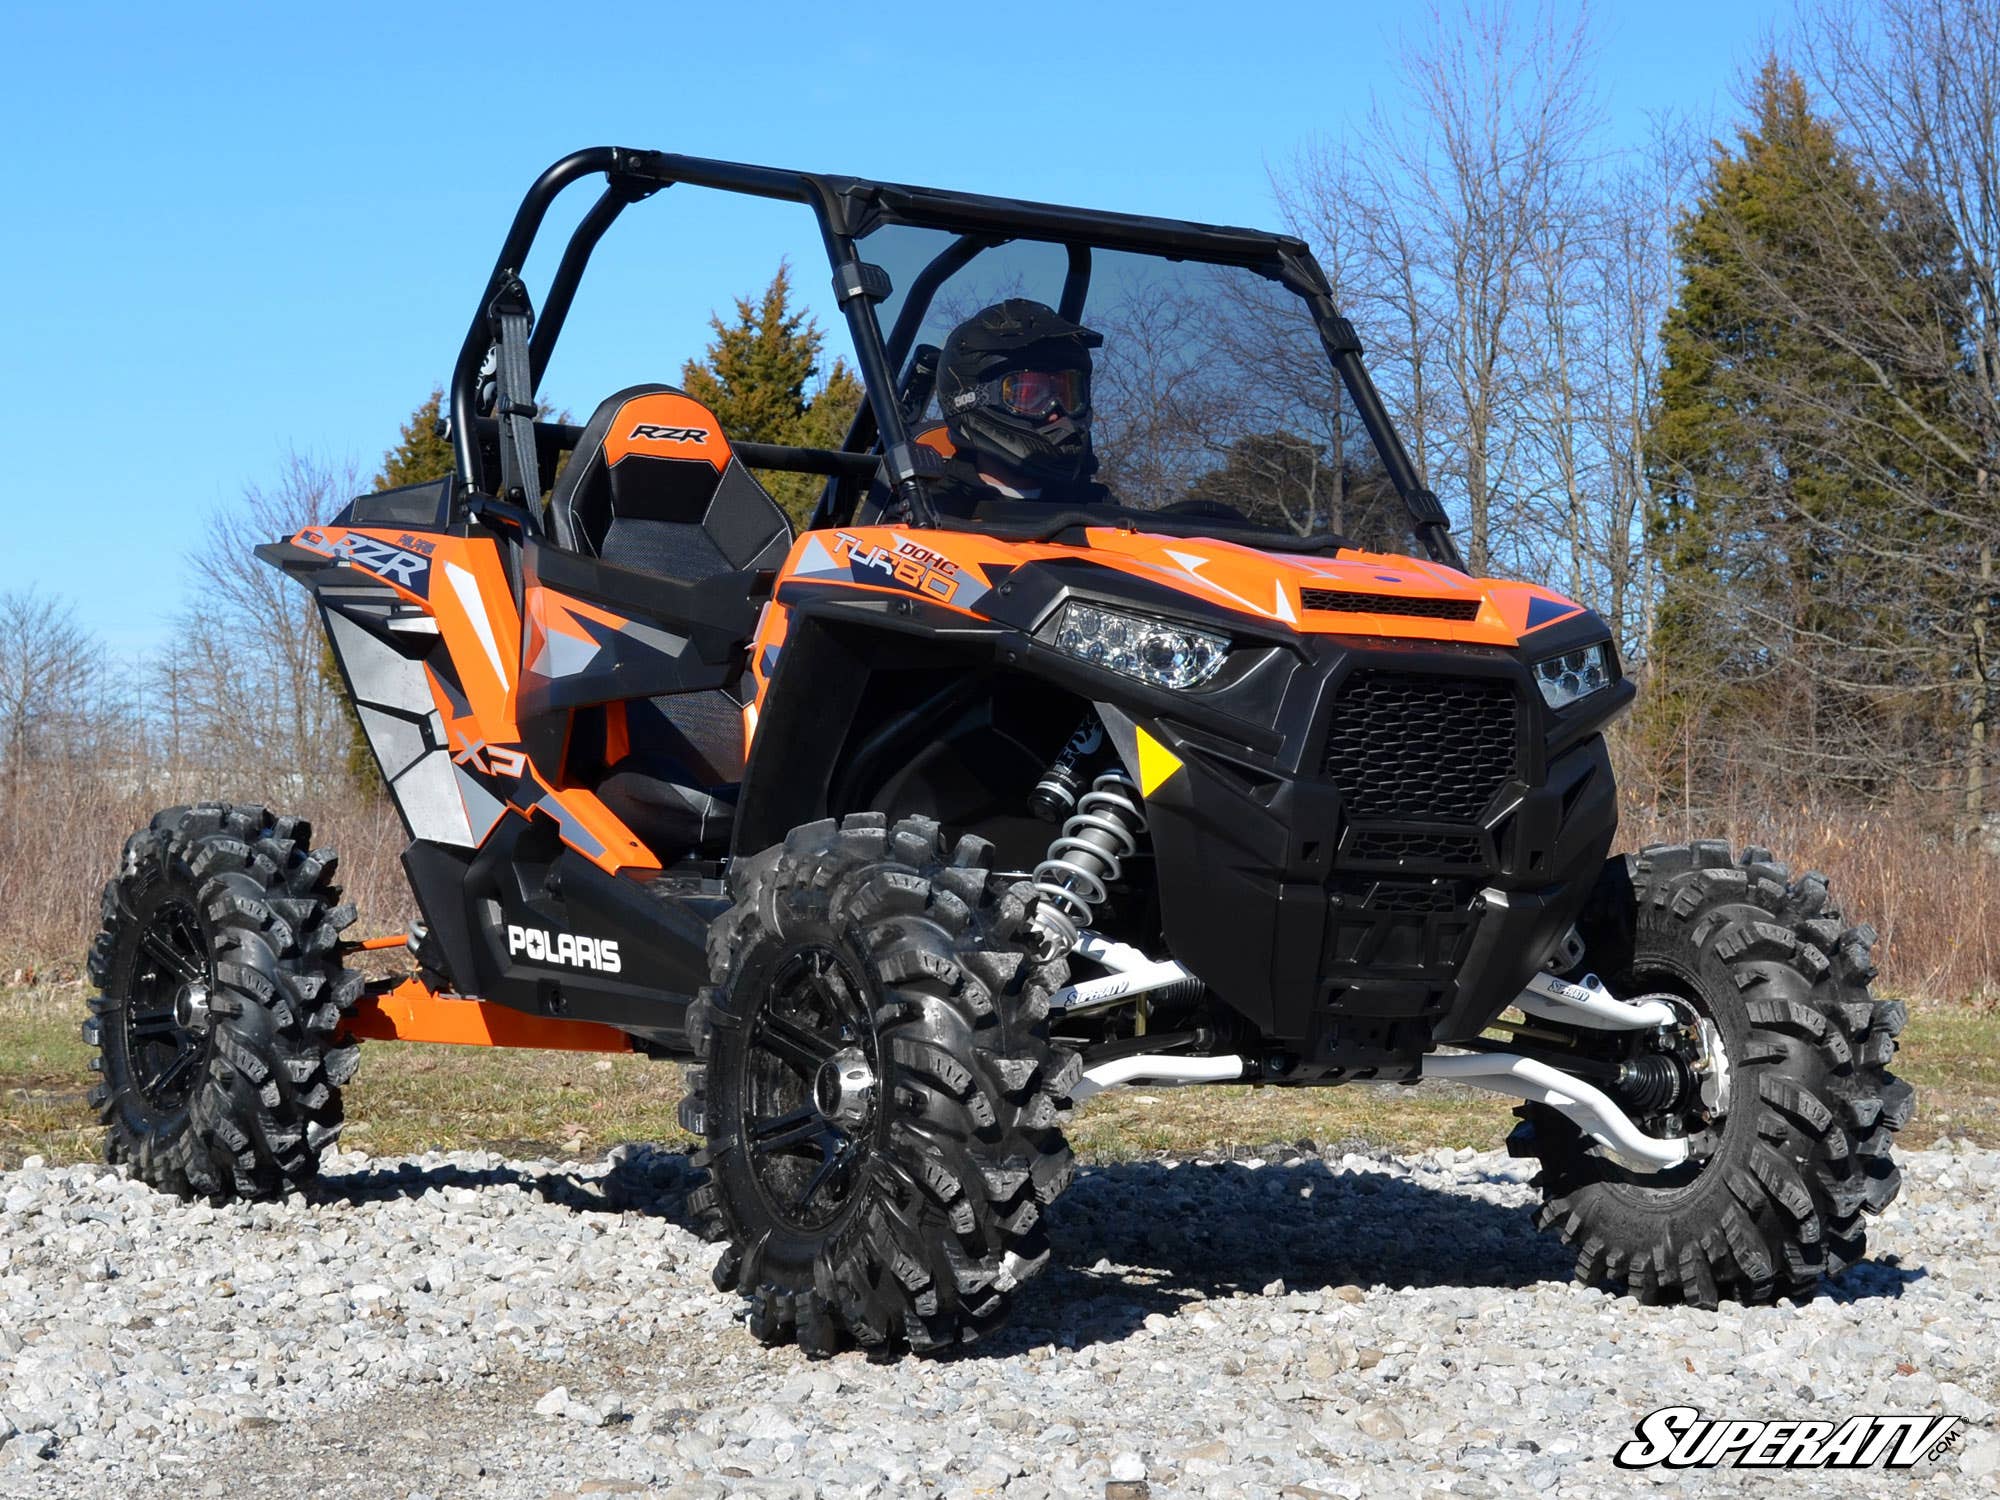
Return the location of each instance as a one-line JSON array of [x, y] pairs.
[[1370, 890]]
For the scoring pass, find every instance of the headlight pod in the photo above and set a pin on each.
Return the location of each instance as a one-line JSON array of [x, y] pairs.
[[1164, 653], [1574, 675]]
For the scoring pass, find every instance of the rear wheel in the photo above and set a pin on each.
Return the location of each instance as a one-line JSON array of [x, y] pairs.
[[221, 992], [1789, 1139], [878, 1093]]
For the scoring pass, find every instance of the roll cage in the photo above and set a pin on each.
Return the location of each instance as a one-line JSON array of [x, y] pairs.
[[848, 209]]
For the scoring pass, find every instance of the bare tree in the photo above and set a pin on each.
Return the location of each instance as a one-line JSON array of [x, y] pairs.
[[1917, 83], [242, 688], [1509, 275], [1629, 286], [1448, 202], [48, 669]]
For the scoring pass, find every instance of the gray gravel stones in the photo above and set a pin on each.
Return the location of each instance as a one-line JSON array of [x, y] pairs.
[[1323, 1322]]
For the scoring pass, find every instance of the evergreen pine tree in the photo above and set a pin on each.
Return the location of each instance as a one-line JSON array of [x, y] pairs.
[[1777, 461], [421, 452], [758, 377]]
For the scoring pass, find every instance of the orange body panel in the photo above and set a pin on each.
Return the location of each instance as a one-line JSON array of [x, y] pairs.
[[772, 623], [413, 1012], [469, 597], [950, 568]]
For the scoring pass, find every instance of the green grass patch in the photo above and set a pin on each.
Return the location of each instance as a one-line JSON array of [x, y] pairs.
[[410, 1098]]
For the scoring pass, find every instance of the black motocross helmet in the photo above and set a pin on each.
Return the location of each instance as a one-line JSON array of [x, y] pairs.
[[1014, 381]]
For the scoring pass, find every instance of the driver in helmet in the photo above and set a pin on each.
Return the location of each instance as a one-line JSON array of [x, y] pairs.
[[1013, 384]]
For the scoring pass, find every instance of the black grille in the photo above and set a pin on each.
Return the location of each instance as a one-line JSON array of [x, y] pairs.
[[1384, 844], [1420, 749], [1337, 602], [1360, 893]]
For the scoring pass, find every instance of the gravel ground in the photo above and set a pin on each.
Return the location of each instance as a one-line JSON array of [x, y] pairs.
[[1327, 1322]]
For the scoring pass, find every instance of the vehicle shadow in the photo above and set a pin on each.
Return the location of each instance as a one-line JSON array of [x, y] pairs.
[[1136, 1238], [641, 1179], [1139, 1238], [1131, 1239]]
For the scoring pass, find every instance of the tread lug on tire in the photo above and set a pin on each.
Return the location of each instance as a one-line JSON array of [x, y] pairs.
[[927, 1238], [1804, 1148]]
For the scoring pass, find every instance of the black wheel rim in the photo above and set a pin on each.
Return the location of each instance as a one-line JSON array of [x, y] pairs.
[[807, 1139], [164, 1053]]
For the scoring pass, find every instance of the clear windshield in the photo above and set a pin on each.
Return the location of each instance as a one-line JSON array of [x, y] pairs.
[[1212, 395]]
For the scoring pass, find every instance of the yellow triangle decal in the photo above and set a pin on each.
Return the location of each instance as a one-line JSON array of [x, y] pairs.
[[1156, 763]]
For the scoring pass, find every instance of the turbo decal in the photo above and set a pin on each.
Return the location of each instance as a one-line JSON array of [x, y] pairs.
[[907, 564]]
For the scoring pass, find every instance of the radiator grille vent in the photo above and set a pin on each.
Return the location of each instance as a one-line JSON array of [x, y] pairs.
[[1404, 747]]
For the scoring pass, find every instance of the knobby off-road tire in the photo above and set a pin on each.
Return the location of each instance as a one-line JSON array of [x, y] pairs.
[[909, 1212], [1803, 1149], [221, 995]]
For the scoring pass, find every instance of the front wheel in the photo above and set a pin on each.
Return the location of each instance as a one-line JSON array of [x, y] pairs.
[[1794, 1146], [877, 1093]]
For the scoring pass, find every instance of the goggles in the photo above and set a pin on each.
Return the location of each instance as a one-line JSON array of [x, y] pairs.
[[1036, 393]]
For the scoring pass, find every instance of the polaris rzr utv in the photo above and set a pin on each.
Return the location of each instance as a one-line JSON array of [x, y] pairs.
[[1202, 760]]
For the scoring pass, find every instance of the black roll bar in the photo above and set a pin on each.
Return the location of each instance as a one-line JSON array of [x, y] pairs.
[[569, 273], [513, 252]]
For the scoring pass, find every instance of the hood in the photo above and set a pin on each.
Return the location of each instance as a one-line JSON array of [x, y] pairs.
[[1348, 593]]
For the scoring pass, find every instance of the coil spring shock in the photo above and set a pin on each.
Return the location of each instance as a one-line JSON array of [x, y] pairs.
[[1101, 834]]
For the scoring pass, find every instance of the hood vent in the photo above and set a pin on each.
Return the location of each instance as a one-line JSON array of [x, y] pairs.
[[1336, 601]]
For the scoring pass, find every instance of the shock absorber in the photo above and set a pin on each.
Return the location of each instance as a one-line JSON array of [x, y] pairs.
[[1055, 795], [1097, 838]]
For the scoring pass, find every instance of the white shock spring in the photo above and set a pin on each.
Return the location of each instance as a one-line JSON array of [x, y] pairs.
[[1095, 840]]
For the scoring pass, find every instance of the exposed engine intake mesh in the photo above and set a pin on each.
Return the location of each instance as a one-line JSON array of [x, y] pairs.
[[1337, 602], [1422, 749]]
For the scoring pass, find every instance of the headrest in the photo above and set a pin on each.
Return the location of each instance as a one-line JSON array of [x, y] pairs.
[[661, 423]]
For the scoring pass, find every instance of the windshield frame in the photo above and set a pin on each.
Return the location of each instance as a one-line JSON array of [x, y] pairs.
[[981, 223], [848, 209]]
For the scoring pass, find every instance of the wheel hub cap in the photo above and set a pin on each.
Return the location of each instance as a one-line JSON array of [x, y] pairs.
[[191, 1011], [844, 1088]]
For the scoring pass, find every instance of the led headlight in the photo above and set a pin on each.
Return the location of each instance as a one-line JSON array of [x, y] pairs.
[[1161, 652], [1574, 675]]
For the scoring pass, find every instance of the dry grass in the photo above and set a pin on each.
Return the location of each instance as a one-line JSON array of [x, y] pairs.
[[1935, 902], [62, 828], [410, 1098]]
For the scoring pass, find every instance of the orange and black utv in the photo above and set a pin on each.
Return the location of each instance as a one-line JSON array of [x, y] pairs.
[[912, 830]]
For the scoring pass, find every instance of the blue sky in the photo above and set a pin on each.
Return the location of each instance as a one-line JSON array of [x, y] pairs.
[[232, 231]]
